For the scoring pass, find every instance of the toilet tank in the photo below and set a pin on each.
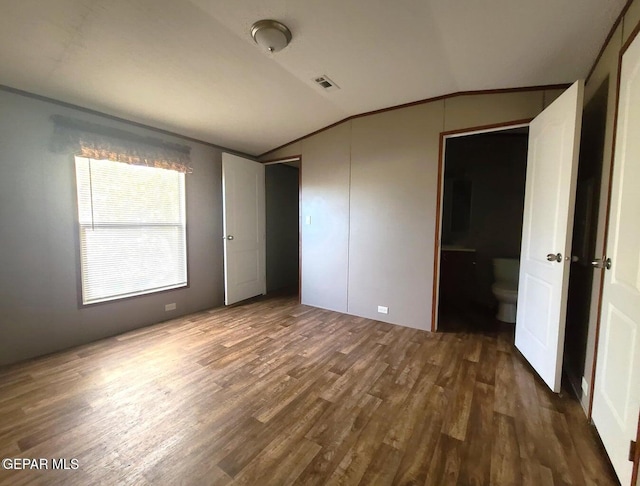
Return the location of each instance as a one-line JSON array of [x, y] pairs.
[[506, 269]]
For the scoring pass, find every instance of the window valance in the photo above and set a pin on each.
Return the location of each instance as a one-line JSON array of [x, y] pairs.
[[107, 143]]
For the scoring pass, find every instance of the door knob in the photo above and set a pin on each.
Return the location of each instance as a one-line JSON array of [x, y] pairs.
[[228, 237], [557, 257], [602, 263]]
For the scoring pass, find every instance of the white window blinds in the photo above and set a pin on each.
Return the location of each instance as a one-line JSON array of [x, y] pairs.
[[132, 229]]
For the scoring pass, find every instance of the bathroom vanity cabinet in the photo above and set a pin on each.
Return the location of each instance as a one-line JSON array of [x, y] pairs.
[[457, 276]]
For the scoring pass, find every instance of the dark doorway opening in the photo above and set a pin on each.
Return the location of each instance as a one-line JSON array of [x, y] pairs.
[[579, 302], [282, 189], [482, 209]]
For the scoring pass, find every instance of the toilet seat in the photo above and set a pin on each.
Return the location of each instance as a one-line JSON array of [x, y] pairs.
[[505, 291], [505, 288], [507, 295]]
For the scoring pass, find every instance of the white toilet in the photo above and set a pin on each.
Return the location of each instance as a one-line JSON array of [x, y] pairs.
[[505, 288]]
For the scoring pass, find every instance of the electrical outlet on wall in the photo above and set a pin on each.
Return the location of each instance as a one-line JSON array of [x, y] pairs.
[[170, 307], [383, 309]]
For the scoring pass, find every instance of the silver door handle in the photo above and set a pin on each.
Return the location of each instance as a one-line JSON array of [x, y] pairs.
[[554, 257], [228, 237], [602, 263]]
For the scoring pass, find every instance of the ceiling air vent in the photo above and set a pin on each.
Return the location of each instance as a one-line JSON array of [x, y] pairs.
[[325, 83]]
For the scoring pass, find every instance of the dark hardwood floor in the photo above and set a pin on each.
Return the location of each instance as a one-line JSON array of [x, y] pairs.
[[273, 392]]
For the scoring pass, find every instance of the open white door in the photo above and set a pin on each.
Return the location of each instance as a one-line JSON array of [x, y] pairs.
[[244, 228], [552, 168], [616, 398]]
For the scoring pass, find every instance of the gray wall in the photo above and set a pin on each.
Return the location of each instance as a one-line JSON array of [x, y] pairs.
[[390, 262], [282, 202], [496, 166], [325, 218], [369, 187], [39, 311]]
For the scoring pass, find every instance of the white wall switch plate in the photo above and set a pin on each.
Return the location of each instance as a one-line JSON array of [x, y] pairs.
[[169, 307], [307, 220], [382, 309], [585, 387]]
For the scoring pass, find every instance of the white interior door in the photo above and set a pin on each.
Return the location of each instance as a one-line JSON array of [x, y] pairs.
[[244, 228], [552, 167], [616, 399]]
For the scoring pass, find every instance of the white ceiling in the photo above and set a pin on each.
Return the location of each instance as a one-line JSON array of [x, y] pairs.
[[191, 67]]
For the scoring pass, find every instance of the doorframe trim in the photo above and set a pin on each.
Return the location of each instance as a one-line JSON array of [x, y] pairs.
[[607, 209], [636, 459], [462, 132]]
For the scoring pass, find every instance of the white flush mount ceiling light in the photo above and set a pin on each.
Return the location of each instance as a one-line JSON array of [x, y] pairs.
[[271, 35]]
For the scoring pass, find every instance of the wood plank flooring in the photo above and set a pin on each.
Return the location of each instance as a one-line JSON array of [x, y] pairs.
[[272, 392]]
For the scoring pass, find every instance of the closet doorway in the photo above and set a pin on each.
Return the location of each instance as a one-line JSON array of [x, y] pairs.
[[282, 193]]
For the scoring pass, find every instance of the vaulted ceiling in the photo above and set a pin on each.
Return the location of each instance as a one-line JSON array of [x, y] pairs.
[[191, 66]]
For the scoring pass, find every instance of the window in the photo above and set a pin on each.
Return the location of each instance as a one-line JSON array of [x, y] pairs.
[[132, 229]]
